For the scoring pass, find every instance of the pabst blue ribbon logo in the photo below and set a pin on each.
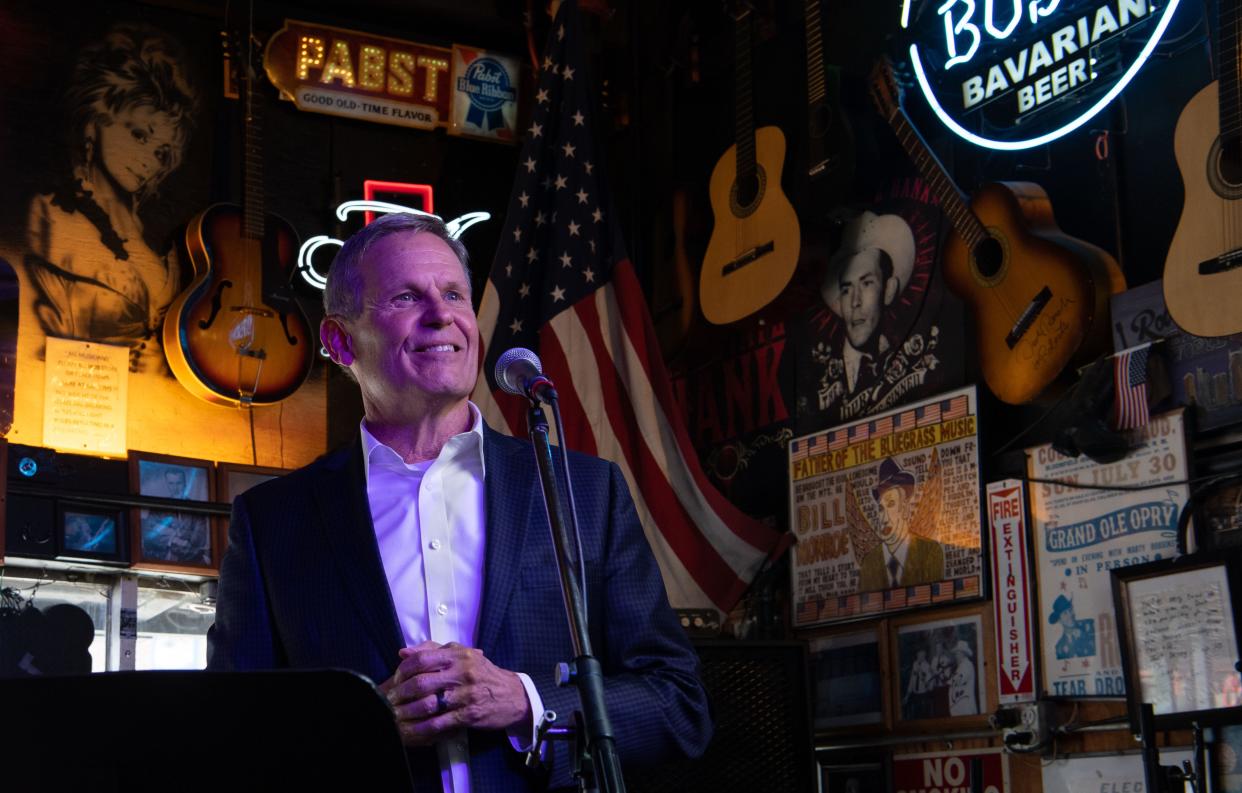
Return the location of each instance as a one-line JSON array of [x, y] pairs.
[[486, 85], [1014, 74]]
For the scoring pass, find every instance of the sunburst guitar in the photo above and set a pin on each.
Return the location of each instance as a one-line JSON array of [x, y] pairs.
[[1039, 296], [753, 250], [1203, 271], [237, 336]]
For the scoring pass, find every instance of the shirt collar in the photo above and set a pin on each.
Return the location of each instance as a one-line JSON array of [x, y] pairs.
[[468, 443], [853, 358]]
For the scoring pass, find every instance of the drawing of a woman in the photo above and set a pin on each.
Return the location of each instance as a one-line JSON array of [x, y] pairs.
[[95, 277]]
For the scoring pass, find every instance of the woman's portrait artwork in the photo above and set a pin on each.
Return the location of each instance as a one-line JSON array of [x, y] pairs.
[[129, 109]]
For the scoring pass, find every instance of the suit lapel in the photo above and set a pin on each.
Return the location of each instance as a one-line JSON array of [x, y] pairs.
[[509, 494], [345, 520]]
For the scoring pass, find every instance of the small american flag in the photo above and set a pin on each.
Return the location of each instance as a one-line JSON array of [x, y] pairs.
[[561, 284], [808, 612], [895, 599], [918, 595], [941, 591], [872, 601], [956, 408], [929, 414], [1130, 386], [883, 426], [848, 605], [906, 420], [797, 450], [838, 440], [860, 432], [969, 586]]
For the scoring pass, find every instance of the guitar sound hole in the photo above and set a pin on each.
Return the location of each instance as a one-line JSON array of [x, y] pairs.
[[989, 256], [1230, 163], [747, 189]]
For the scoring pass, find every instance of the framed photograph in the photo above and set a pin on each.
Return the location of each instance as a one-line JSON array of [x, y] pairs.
[[850, 778], [1218, 501], [170, 539], [1177, 620], [888, 515], [849, 671], [233, 479], [92, 533], [941, 670]]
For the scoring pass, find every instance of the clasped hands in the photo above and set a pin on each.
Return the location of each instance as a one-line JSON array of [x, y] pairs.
[[439, 688]]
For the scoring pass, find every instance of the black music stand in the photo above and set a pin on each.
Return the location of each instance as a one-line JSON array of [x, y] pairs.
[[200, 731]]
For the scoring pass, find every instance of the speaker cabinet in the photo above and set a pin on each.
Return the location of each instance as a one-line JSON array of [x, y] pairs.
[[761, 702]]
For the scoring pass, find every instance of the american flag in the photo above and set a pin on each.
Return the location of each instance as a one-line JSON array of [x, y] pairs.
[[797, 450], [883, 426], [808, 612], [906, 420], [838, 440], [929, 414], [956, 408], [895, 599], [918, 595], [872, 601], [562, 285], [942, 591], [1130, 387], [860, 432]]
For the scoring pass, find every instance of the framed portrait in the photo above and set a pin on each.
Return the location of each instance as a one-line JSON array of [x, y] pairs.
[[173, 540], [1218, 500], [233, 479], [941, 669], [1177, 620], [887, 513], [91, 532], [849, 671], [851, 777]]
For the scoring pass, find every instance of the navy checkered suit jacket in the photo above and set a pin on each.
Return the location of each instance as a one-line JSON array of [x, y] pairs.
[[302, 586]]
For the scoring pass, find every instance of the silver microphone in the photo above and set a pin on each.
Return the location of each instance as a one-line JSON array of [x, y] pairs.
[[520, 372]]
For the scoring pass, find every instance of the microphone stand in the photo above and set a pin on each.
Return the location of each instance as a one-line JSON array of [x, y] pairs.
[[595, 748]]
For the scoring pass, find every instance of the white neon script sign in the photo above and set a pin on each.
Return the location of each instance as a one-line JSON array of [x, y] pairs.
[[1032, 72], [307, 252]]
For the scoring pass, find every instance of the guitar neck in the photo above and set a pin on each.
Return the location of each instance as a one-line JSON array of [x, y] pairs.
[[1228, 31], [252, 162], [952, 201], [744, 119], [816, 91]]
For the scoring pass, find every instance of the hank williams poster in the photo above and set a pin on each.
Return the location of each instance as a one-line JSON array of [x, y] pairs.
[[886, 510], [877, 335], [1083, 533]]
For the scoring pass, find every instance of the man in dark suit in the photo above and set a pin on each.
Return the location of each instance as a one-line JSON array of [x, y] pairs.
[[901, 558], [421, 557]]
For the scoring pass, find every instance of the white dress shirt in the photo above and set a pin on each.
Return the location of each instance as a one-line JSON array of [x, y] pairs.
[[433, 558]]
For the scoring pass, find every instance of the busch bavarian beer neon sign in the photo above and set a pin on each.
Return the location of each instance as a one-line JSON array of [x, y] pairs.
[[1014, 74]]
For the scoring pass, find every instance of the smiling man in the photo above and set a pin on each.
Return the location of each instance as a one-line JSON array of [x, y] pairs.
[[421, 556]]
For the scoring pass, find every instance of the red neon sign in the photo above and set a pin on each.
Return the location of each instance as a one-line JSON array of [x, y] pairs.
[[370, 187]]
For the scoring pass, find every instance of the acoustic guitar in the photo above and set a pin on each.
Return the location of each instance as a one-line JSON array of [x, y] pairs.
[[1203, 270], [236, 336], [830, 141], [1039, 296], [755, 241]]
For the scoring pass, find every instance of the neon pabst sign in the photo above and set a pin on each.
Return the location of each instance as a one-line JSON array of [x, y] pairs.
[[1014, 74]]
